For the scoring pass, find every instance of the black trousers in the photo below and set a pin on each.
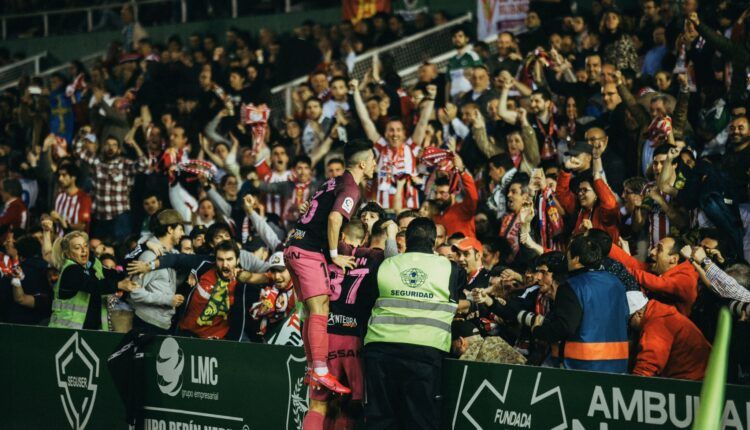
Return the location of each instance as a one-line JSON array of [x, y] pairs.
[[402, 388], [141, 326]]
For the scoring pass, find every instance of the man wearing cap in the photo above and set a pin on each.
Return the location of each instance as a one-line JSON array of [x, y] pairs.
[[588, 196], [277, 300], [469, 256], [670, 345], [155, 303], [409, 333]]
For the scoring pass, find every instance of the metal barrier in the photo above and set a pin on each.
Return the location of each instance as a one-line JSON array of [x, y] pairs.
[[88, 61], [407, 52], [28, 66], [91, 14]]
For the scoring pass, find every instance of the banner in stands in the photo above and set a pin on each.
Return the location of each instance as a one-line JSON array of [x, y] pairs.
[[494, 16], [409, 9], [196, 384], [357, 10]]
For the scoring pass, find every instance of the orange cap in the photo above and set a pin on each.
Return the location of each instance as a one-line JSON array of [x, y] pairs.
[[468, 243]]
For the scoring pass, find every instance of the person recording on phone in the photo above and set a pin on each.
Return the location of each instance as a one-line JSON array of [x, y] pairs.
[[589, 197]]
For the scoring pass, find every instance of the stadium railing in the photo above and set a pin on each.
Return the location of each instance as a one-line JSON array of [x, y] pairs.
[[408, 52], [89, 17], [88, 61], [28, 66]]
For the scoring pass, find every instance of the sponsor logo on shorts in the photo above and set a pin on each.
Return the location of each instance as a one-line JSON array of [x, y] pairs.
[[342, 320], [344, 353], [297, 234]]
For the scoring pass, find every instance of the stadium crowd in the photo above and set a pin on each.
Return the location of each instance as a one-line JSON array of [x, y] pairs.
[[589, 175]]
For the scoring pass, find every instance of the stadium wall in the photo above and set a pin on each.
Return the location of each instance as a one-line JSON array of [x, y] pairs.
[[59, 379], [66, 48]]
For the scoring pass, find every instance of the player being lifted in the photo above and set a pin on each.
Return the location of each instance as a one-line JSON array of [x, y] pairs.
[[316, 234]]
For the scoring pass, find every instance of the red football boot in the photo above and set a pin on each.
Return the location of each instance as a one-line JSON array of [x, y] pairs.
[[327, 381]]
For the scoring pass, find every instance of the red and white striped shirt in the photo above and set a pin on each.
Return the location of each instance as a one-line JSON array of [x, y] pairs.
[[302, 193], [74, 209], [393, 163], [14, 214], [659, 226], [275, 202]]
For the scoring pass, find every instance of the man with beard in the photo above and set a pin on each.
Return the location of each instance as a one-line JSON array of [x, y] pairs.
[[397, 155], [736, 161], [464, 60], [456, 217], [339, 98], [208, 312], [665, 274], [542, 121], [216, 234], [316, 231], [72, 204], [114, 177], [155, 303]]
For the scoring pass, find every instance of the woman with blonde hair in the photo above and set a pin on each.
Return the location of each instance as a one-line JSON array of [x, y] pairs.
[[77, 301]]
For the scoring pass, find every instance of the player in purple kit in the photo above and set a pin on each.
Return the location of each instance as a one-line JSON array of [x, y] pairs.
[[353, 294], [305, 255]]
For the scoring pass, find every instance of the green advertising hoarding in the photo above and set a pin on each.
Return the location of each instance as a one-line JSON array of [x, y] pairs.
[[58, 379]]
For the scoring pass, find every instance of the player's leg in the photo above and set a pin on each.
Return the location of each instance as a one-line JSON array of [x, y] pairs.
[[351, 367], [316, 414], [318, 336], [292, 263], [311, 271]]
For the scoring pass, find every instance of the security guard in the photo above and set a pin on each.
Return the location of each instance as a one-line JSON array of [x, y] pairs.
[[409, 333]]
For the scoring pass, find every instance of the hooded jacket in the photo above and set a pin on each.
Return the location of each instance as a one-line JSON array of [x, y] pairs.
[[153, 302], [670, 346]]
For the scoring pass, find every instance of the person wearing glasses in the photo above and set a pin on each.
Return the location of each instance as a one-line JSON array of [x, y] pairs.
[[587, 194], [612, 162]]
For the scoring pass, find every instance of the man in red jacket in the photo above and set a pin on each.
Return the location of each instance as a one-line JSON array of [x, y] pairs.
[[457, 217], [588, 197], [668, 279], [14, 214], [670, 345]]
